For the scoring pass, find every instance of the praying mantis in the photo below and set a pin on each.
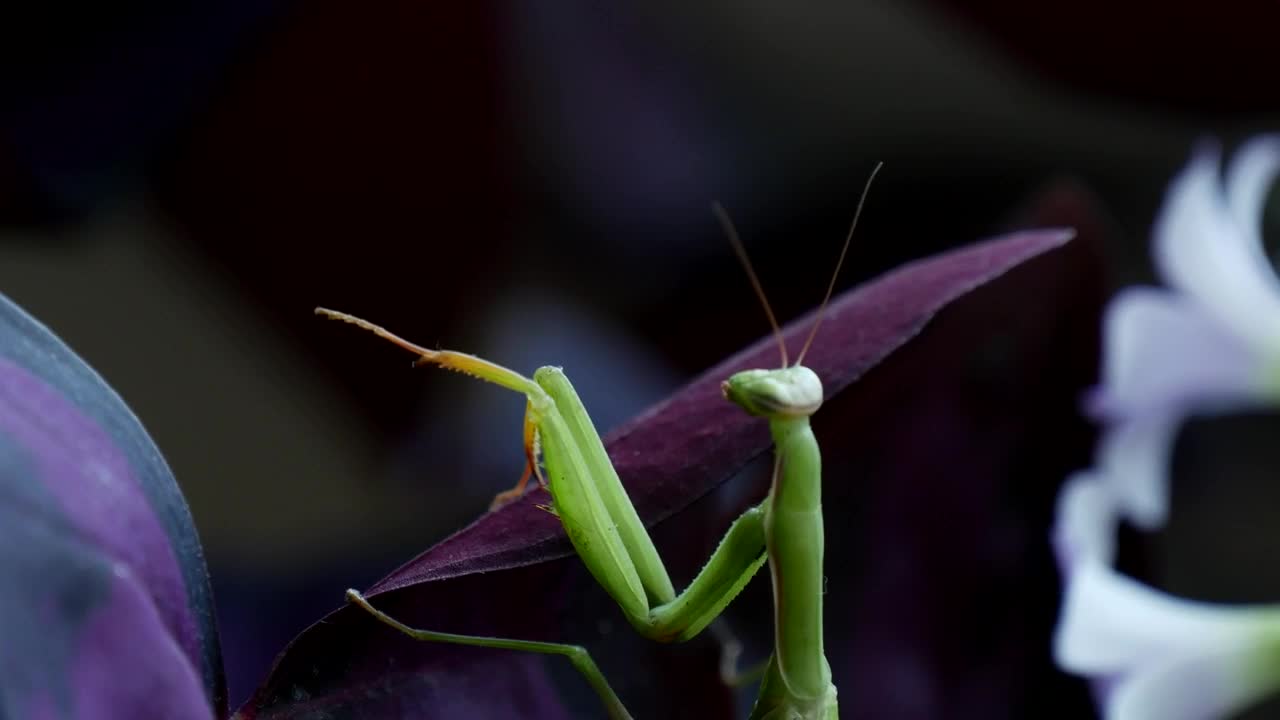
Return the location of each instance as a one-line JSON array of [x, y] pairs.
[[785, 529]]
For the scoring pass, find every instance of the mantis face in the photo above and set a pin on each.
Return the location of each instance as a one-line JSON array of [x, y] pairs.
[[789, 392]]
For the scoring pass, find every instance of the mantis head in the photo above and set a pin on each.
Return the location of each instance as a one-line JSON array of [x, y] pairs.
[[788, 392]]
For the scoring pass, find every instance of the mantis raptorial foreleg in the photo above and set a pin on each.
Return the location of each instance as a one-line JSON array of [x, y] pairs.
[[786, 529]]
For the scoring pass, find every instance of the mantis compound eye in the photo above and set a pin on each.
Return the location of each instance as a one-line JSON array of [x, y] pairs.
[[787, 392]]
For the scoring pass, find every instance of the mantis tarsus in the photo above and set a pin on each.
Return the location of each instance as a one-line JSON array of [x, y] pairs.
[[785, 529]]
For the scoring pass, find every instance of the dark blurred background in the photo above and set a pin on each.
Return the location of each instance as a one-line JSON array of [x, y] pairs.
[[181, 184]]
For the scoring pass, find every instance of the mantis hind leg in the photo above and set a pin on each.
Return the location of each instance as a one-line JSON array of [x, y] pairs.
[[576, 654]]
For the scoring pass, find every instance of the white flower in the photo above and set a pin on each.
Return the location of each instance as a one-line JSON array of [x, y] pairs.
[[1152, 656], [1208, 343]]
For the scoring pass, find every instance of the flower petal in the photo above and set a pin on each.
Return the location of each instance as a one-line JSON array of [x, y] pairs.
[[1163, 350], [1164, 357], [1192, 687], [1134, 458], [1086, 522], [1113, 624], [1250, 174], [1200, 249]]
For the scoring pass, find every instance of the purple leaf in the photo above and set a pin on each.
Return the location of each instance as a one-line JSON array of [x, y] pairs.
[[937, 433], [105, 607]]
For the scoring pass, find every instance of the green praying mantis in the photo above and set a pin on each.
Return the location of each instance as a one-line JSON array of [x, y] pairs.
[[784, 530]]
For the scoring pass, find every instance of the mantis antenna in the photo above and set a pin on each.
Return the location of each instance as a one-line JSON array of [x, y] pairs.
[[741, 252], [822, 309]]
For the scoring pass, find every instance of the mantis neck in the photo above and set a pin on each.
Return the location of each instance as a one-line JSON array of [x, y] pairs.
[[794, 541], [798, 486]]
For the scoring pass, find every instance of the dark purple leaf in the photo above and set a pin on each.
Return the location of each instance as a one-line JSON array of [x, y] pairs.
[[936, 434], [105, 607]]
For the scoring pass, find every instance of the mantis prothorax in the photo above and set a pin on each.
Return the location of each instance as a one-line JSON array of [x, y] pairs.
[[785, 529]]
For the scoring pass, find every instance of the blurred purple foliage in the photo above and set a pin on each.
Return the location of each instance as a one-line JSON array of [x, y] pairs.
[[105, 608]]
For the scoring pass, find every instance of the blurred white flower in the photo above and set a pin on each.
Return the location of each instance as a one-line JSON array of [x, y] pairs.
[[1084, 523], [1151, 656], [1208, 343]]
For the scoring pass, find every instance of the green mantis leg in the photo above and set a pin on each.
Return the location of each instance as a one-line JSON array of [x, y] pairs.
[[620, 554], [576, 654]]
